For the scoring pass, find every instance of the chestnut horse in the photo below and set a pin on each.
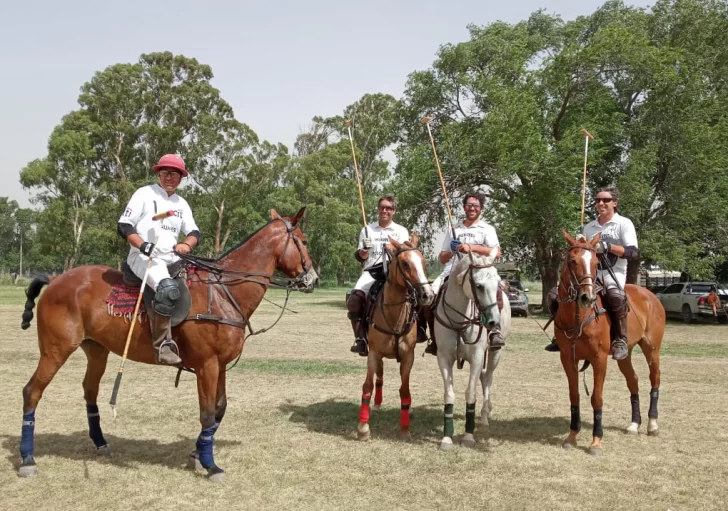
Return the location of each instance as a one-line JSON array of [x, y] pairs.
[[391, 333], [72, 312], [582, 330]]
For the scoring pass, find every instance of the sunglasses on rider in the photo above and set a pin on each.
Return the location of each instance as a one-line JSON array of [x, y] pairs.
[[605, 200], [386, 208], [473, 205]]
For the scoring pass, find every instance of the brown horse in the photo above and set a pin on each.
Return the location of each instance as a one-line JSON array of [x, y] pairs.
[[391, 333], [583, 333], [72, 312]]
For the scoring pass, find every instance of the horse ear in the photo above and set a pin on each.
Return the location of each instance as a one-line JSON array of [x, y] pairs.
[[298, 216], [596, 239], [414, 240], [571, 241], [274, 214], [460, 277], [396, 244]]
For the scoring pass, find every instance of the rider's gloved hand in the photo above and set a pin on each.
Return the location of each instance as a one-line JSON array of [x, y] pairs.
[[603, 247], [455, 244], [147, 248]]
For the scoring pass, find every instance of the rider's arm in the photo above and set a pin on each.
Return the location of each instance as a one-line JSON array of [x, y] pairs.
[[482, 249], [445, 257]]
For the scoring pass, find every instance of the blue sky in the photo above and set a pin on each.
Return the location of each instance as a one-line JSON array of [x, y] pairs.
[[278, 63]]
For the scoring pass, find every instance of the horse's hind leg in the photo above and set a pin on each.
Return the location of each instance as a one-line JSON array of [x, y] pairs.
[[634, 393], [96, 356], [208, 381], [405, 367], [446, 360], [486, 379], [48, 365], [652, 354]]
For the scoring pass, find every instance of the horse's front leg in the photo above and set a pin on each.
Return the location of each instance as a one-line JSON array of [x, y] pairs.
[[379, 386], [476, 368], [486, 379], [405, 367], [573, 376], [208, 378], [362, 430], [600, 372], [446, 360], [220, 408]]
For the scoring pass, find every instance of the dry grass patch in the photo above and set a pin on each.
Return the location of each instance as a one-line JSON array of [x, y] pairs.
[[288, 438]]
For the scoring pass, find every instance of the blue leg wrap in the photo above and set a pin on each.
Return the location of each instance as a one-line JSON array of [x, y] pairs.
[[27, 446], [204, 446], [94, 425]]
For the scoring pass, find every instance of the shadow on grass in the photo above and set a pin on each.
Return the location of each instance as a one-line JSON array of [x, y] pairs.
[[340, 418], [126, 452]]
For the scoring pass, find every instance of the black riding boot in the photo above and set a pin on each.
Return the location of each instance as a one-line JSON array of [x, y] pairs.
[[553, 305], [616, 301]]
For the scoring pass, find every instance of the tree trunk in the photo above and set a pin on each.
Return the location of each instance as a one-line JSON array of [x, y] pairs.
[[549, 268]]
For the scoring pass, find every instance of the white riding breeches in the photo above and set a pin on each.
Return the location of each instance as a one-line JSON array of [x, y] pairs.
[[157, 271]]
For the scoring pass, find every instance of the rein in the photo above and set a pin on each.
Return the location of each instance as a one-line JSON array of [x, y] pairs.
[[221, 277]]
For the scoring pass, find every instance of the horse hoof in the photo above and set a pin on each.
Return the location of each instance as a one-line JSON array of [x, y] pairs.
[[193, 462], [376, 408], [405, 436], [362, 432], [595, 451], [633, 429], [655, 432], [104, 450], [216, 474], [28, 470], [468, 442], [446, 444], [568, 445]]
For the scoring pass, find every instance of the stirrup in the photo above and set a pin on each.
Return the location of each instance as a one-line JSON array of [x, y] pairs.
[[357, 347]]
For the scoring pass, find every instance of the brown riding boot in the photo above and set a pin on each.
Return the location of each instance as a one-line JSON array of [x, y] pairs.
[[360, 342], [162, 339], [616, 302], [620, 351], [552, 302]]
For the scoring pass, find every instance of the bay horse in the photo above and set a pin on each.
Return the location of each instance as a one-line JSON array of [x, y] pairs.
[[225, 292], [582, 330], [470, 292], [391, 333]]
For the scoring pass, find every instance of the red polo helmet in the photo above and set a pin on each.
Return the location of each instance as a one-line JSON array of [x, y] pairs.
[[171, 161]]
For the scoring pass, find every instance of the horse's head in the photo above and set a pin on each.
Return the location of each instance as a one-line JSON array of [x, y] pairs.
[[409, 269], [579, 270], [293, 258], [478, 277]]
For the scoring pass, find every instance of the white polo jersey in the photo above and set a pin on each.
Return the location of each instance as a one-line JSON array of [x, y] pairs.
[[380, 237], [620, 231], [147, 202], [480, 233]]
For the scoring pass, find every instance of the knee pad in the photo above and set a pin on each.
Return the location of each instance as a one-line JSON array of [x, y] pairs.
[[166, 296], [355, 303], [616, 300]]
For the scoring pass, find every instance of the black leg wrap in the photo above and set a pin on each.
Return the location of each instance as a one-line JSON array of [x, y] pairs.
[[635, 400], [575, 419], [654, 396], [598, 432]]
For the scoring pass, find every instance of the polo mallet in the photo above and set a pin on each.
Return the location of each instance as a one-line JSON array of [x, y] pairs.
[[358, 182], [587, 136], [158, 217], [426, 122]]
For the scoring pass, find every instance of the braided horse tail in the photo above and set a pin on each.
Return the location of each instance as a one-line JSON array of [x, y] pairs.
[[32, 293]]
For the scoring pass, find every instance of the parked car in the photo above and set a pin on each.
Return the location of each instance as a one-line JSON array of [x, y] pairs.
[[517, 297], [687, 300]]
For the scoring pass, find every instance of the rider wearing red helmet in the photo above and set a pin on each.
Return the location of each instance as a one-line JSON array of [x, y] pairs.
[[138, 228]]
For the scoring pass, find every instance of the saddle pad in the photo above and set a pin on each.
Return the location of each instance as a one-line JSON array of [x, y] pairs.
[[122, 299]]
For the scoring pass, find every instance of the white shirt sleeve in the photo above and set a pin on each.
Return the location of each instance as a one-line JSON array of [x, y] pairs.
[[188, 221], [446, 241], [628, 234], [134, 209], [491, 237]]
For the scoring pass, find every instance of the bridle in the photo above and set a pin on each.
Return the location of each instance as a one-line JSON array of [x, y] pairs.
[[410, 301], [457, 325], [572, 293]]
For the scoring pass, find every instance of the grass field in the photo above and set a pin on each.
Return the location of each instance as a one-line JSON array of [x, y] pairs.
[[288, 439]]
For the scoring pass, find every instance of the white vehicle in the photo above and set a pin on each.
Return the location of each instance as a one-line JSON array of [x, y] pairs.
[[687, 300]]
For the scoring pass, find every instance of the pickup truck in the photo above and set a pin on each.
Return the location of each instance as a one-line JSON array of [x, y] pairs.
[[687, 300]]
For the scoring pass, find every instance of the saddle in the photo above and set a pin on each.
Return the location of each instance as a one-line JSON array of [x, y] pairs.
[[120, 295]]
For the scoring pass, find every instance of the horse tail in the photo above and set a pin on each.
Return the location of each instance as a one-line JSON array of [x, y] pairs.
[[584, 366], [32, 293]]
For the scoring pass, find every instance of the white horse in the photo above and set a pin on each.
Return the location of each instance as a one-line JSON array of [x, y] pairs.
[[460, 334]]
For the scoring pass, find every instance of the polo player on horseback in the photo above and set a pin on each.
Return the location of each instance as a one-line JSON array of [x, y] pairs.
[[471, 235], [139, 230], [617, 245], [370, 251]]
